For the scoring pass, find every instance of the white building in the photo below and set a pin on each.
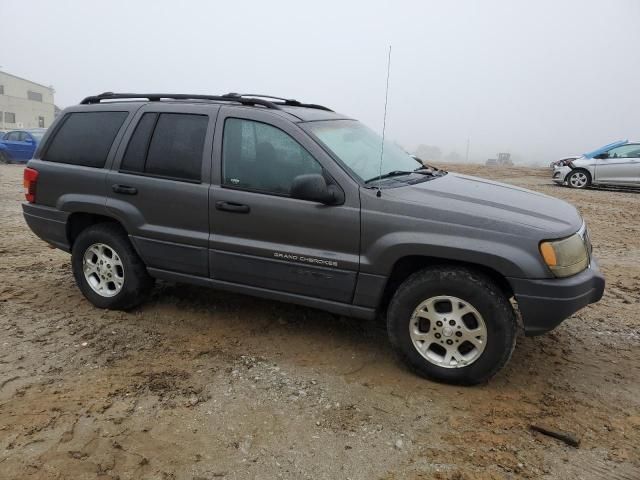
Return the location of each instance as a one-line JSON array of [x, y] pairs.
[[24, 104]]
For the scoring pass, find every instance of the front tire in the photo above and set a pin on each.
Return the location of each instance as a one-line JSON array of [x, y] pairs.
[[452, 324], [107, 269], [579, 179]]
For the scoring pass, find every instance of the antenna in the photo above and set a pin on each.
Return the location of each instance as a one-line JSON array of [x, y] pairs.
[[384, 122]]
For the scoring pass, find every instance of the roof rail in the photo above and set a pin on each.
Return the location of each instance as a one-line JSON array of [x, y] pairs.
[[156, 97], [281, 101]]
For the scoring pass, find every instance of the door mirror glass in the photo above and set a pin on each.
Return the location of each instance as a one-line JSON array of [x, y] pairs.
[[602, 156], [313, 187]]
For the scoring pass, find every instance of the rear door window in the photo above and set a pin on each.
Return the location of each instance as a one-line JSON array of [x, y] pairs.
[[167, 145], [85, 138]]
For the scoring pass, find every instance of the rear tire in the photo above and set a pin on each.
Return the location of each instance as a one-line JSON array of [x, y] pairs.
[[107, 269], [452, 324], [579, 178], [4, 158]]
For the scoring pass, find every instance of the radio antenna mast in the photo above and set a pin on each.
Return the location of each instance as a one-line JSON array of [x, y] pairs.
[[384, 122]]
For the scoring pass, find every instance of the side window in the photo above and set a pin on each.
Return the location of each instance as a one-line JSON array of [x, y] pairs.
[[625, 151], [257, 156], [12, 136], [167, 145], [84, 138]]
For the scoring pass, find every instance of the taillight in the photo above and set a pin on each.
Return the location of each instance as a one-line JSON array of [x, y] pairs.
[[30, 181]]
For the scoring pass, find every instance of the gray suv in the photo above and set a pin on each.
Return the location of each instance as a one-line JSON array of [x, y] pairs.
[[294, 202]]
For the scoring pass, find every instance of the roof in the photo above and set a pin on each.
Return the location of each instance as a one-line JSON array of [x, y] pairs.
[[26, 80]]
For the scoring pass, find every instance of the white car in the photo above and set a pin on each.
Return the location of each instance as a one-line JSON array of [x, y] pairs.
[[614, 164]]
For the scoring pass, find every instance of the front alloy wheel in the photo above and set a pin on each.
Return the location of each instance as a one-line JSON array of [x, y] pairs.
[[453, 324], [448, 332], [578, 179]]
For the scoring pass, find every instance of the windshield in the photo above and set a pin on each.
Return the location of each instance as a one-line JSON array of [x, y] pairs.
[[358, 147]]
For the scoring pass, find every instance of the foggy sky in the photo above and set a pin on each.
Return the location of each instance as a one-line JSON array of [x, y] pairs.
[[540, 79]]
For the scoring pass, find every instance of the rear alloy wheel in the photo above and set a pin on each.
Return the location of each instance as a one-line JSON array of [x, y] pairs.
[[452, 324], [103, 270], [107, 269], [579, 179]]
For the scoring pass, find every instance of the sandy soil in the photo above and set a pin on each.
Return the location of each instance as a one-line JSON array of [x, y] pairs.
[[198, 384]]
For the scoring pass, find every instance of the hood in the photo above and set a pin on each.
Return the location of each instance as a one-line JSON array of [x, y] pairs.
[[481, 203], [604, 149]]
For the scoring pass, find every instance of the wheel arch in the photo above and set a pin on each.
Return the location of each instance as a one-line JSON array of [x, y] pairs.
[[80, 221], [408, 265], [580, 169]]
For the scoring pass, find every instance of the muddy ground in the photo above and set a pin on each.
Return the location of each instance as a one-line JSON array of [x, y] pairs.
[[198, 384]]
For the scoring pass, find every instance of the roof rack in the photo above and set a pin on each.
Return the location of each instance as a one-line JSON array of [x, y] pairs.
[[244, 99], [156, 97], [289, 102]]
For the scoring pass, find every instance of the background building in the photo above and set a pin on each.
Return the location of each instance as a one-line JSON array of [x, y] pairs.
[[24, 104]]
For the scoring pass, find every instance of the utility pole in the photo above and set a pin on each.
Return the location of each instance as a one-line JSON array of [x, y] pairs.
[[467, 155]]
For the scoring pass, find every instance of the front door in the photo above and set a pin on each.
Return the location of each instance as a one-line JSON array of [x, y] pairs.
[[19, 145], [159, 185], [262, 237], [622, 165]]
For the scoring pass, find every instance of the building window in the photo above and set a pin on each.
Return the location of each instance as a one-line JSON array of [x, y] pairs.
[[35, 96], [41, 122], [9, 117], [1, 89]]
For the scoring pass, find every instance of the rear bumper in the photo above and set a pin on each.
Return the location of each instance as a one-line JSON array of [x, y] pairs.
[[544, 304], [50, 224]]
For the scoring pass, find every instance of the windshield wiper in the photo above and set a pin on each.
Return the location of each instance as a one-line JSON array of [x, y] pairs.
[[393, 173], [434, 171]]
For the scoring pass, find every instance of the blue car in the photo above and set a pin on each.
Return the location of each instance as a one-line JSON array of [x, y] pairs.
[[18, 146]]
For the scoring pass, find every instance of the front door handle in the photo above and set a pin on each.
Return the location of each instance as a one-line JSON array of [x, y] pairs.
[[232, 207], [124, 189]]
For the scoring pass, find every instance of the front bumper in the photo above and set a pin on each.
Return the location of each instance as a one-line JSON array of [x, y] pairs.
[[560, 174], [544, 304]]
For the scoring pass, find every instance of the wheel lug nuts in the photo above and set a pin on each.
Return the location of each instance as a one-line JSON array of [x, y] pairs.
[[458, 334], [437, 335], [449, 342], [452, 322], [439, 323]]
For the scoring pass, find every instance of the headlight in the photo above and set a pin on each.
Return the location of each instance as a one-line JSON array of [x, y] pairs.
[[567, 256]]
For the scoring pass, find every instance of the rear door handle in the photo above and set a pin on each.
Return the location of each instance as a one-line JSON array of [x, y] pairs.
[[124, 189], [232, 207]]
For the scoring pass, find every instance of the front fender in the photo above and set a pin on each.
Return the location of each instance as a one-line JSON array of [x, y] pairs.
[[510, 259]]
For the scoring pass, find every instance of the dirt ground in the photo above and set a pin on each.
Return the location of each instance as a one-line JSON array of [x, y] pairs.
[[199, 384]]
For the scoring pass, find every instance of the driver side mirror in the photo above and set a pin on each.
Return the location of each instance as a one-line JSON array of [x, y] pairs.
[[602, 156], [314, 187]]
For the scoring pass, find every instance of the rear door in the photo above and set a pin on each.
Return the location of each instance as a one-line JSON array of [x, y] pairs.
[[622, 166], [262, 237], [158, 187]]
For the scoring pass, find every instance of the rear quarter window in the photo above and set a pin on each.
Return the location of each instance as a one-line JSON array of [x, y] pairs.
[[85, 138]]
